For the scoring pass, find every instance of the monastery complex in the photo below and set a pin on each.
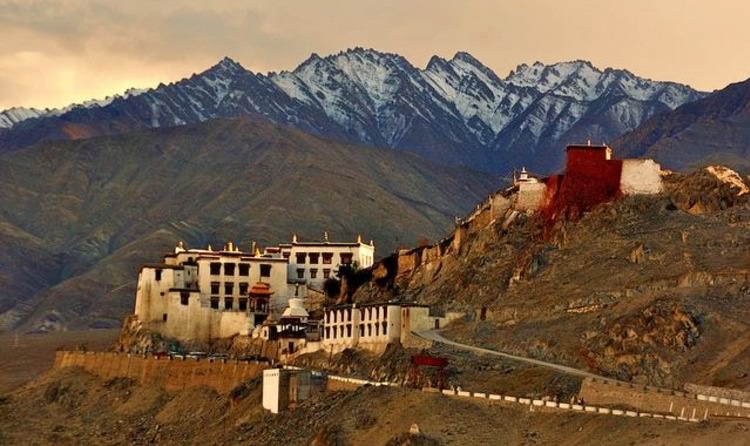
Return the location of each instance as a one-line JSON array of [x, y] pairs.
[[203, 295]]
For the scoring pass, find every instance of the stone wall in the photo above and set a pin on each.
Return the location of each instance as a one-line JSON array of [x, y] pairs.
[[170, 374]]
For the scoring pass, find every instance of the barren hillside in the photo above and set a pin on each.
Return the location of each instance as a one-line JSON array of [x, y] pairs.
[[648, 288]]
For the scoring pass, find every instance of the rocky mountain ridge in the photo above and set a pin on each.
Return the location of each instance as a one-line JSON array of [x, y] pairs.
[[711, 130], [455, 111]]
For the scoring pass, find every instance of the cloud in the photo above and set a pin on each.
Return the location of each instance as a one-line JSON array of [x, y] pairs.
[[86, 48]]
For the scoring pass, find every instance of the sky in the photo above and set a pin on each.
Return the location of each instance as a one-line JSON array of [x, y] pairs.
[[57, 52]]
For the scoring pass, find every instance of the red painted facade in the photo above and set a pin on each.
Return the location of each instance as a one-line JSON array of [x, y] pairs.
[[590, 178]]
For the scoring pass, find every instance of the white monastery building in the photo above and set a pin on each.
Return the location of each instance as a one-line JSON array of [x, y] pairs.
[[205, 294]]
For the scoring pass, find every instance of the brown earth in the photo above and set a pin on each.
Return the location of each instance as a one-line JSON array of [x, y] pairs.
[[69, 406]]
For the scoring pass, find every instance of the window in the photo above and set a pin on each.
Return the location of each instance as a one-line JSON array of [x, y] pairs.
[[244, 269], [164, 317], [300, 273], [346, 258], [157, 273], [243, 304], [285, 255], [228, 301], [184, 297], [229, 288], [328, 332], [349, 330], [314, 273], [215, 302], [385, 328], [314, 257], [327, 258], [215, 287], [301, 258], [326, 273], [243, 289], [215, 268], [229, 269], [265, 270]]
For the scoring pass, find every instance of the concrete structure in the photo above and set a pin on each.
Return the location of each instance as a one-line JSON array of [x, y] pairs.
[[284, 388], [531, 192], [202, 294], [640, 176]]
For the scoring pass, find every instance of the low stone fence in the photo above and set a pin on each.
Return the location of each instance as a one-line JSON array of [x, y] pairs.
[[720, 395], [163, 372], [544, 405], [659, 400], [335, 383]]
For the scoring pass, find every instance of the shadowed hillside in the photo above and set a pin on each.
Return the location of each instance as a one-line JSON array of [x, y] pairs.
[[78, 217]]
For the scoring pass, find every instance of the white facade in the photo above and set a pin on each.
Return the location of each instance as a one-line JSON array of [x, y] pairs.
[[370, 327], [312, 263], [640, 176]]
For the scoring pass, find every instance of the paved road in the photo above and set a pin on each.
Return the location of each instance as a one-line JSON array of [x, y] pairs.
[[435, 336]]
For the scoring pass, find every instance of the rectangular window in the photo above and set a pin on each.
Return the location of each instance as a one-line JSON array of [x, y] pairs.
[[301, 258], [157, 273], [326, 273], [243, 289], [164, 317], [327, 258], [215, 302], [215, 287], [228, 289], [215, 268], [184, 297], [286, 255], [228, 301], [300, 273], [346, 258], [244, 269], [314, 273], [229, 269], [314, 258], [265, 270], [243, 304]]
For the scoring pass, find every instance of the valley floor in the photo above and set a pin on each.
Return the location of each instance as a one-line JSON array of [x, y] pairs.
[[26, 356]]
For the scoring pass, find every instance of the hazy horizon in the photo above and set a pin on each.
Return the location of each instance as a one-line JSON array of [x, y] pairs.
[[65, 51]]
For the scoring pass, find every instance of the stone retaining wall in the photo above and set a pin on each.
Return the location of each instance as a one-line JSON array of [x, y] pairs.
[[169, 374]]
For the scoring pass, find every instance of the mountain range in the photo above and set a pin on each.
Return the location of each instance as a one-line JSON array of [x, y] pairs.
[[77, 218], [712, 130], [456, 112]]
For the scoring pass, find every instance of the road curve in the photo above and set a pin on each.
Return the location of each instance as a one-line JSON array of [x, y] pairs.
[[433, 335]]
